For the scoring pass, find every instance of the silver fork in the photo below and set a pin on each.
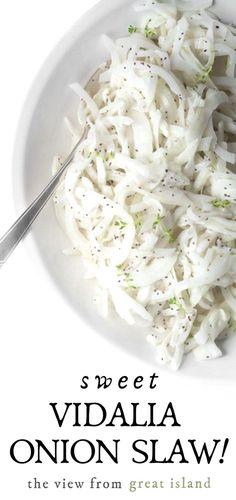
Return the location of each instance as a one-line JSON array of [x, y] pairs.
[[14, 235]]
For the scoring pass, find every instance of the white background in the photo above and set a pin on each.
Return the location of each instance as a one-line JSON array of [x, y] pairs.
[[46, 349]]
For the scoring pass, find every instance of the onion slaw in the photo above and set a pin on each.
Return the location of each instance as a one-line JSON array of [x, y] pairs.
[[150, 199]]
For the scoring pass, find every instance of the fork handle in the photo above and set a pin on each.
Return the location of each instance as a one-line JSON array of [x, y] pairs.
[[16, 232]]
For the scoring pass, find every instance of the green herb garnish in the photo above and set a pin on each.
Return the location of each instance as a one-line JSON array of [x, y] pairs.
[[120, 224], [157, 221], [149, 32], [166, 233], [126, 276], [175, 302], [128, 281], [138, 220], [221, 203], [132, 29], [120, 269], [202, 77]]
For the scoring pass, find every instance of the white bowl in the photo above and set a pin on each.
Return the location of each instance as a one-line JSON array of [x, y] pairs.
[[41, 134]]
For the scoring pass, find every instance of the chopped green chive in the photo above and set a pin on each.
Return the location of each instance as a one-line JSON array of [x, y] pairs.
[[157, 221], [132, 29], [175, 302], [202, 77], [169, 236], [128, 281], [221, 203], [120, 269], [120, 224], [166, 233], [149, 32], [137, 220], [99, 155]]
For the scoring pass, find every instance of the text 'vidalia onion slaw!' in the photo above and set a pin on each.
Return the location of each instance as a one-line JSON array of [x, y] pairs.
[[150, 199]]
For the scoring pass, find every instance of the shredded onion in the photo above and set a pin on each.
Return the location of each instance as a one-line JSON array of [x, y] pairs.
[[150, 199]]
